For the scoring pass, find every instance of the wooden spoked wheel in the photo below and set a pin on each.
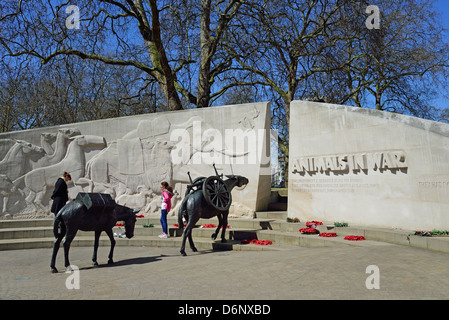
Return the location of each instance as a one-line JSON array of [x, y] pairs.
[[216, 193]]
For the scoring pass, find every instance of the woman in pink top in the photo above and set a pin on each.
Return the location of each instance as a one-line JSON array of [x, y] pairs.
[[167, 194]]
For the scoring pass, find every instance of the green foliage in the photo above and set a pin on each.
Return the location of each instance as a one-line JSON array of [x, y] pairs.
[[147, 225], [341, 224]]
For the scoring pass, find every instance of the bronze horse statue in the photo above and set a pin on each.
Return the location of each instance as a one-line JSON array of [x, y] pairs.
[[76, 216], [212, 198]]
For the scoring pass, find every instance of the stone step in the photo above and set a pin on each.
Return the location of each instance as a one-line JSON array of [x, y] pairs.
[[25, 223], [233, 222], [149, 237], [237, 222], [47, 232], [38, 233], [277, 215], [236, 225], [26, 233], [243, 223], [140, 241]]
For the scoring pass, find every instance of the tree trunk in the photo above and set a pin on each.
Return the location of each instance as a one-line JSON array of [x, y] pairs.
[[203, 95], [5, 126], [164, 74]]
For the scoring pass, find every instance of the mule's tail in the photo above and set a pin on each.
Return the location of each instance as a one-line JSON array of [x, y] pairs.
[[58, 225], [181, 213]]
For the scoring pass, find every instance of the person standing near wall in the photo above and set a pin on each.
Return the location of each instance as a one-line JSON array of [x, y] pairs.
[[60, 194], [167, 194]]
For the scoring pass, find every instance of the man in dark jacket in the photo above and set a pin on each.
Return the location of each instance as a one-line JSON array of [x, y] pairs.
[[61, 194]]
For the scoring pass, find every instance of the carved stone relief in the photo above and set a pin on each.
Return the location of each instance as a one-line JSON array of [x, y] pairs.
[[129, 165]]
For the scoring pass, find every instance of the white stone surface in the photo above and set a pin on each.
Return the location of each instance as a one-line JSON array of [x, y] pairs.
[[129, 157], [368, 167]]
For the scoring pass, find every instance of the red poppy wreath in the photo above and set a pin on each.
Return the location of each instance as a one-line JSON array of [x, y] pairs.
[[354, 238], [308, 231]]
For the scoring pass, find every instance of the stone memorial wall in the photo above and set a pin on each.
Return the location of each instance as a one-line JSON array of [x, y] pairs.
[[368, 167], [129, 157]]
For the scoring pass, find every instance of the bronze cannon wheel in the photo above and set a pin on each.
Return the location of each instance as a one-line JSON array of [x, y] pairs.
[[216, 193]]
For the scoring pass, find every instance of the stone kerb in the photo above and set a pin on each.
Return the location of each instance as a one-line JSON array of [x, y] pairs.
[[368, 167], [129, 157]]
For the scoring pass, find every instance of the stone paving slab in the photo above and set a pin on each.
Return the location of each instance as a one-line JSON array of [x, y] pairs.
[[294, 273]]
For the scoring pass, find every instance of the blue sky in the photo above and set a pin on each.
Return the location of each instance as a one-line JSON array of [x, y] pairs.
[[443, 7]]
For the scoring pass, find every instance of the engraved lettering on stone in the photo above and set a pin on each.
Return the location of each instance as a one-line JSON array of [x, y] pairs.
[[374, 161]]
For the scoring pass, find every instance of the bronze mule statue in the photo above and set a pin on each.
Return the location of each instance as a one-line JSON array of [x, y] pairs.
[[206, 198], [83, 214]]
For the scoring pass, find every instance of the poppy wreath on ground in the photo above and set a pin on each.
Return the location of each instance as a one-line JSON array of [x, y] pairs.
[[206, 226], [423, 233], [261, 242], [257, 242], [328, 235], [177, 225], [139, 216], [308, 231], [316, 223], [354, 238]]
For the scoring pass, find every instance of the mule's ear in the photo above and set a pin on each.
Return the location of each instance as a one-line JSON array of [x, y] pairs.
[[136, 211]]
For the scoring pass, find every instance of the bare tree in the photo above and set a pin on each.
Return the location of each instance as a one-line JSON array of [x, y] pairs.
[[392, 68], [68, 90], [281, 46], [159, 37], [195, 51], [322, 50]]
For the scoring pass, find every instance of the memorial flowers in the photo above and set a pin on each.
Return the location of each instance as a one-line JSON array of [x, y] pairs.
[[257, 242], [308, 231], [260, 242], [311, 227], [206, 226], [147, 225], [354, 238], [313, 223], [441, 233], [328, 235], [340, 224]]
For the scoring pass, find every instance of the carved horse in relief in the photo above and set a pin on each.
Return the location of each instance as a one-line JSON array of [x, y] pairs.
[[17, 161], [37, 181]]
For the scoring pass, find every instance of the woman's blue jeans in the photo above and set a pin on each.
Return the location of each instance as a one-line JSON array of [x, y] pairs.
[[164, 220]]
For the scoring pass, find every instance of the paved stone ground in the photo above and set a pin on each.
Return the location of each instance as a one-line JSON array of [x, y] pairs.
[[292, 273]]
